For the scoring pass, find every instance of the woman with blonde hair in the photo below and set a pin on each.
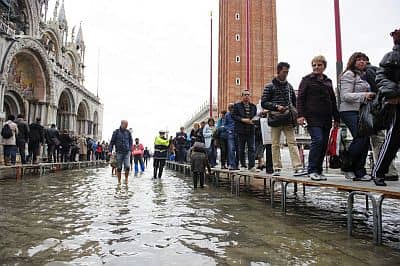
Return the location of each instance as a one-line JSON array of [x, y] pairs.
[[316, 106]]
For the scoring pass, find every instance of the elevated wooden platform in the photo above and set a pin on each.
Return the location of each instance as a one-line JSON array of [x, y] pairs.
[[20, 170], [373, 194]]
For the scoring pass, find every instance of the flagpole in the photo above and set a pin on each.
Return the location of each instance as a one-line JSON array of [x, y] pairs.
[[211, 72], [98, 73], [248, 45]]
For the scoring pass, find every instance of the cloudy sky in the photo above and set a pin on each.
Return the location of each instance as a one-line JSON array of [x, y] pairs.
[[154, 54]]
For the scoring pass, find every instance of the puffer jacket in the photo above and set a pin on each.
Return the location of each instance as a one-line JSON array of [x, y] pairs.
[[277, 93], [388, 75], [23, 129], [352, 91]]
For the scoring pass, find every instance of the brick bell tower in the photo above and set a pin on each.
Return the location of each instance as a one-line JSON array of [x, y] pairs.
[[247, 54]]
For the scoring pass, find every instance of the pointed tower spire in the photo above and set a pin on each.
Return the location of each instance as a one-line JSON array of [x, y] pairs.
[[56, 10], [62, 18], [79, 38]]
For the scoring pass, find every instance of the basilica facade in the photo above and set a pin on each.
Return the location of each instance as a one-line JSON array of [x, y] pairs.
[[42, 63]]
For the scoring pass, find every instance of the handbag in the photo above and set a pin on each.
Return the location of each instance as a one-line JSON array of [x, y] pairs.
[[289, 116]]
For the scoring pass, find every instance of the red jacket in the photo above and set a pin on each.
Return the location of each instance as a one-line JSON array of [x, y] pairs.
[[137, 149]]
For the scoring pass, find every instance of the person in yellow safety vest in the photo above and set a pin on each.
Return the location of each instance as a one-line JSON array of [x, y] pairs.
[[161, 144]]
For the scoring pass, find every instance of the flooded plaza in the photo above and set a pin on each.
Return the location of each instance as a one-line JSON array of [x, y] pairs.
[[85, 218]]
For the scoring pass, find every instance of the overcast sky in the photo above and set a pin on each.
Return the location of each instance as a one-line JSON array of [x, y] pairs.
[[154, 54]]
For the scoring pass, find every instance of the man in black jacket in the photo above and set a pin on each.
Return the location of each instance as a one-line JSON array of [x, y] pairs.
[[36, 138], [243, 112], [388, 82], [277, 97], [22, 137], [53, 143]]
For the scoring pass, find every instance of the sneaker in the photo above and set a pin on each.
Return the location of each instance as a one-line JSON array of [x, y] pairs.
[[300, 172], [253, 169], [276, 173], [349, 175], [317, 177], [380, 182], [365, 178], [243, 168]]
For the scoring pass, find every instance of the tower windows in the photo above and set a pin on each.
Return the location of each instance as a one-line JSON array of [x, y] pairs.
[[237, 81], [237, 59], [237, 16], [237, 37]]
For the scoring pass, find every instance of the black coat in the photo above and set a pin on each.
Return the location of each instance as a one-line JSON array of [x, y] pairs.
[[36, 133], [23, 130], [388, 75], [277, 93], [238, 113], [316, 101]]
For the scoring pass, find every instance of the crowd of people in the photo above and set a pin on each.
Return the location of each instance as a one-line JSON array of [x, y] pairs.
[[17, 135], [248, 132], [241, 137]]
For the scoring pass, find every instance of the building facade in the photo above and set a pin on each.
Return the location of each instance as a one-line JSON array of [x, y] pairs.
[[248, 53], [42, 69]]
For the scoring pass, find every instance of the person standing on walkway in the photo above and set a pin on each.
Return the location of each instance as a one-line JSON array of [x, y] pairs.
[[22, 136], [277, 97], [232, 149], [65, 146], [199, 163], [36, 139], [209, 142], [378, 139], [388, 80], [243, 112], [137, 153], [161, 144], [353, 92], [180, 145], [122, 140], [82, 148], [316, 106], [196, 134], [146, 156], [53, 141], [222, 137], [9, 141]]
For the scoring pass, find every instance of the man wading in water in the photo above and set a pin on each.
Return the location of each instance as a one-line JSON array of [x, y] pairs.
[[122, 140]]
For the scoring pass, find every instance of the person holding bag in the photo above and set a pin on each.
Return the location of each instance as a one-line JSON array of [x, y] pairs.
[[316, 106], [353, 92], [280, 98]]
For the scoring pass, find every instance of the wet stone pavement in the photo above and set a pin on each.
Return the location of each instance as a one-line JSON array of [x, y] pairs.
[[86, 218]]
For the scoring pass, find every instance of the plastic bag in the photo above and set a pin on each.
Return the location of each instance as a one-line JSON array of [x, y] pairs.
[[366, 122]]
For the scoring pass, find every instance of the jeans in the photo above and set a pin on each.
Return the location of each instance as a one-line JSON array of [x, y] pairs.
[[223, 145], [358, 148], [180, 154], [248, 139], [123, 159], [232, 151], [51, 152], [319, 144], [138, 159], [212, 155], [10, 152]]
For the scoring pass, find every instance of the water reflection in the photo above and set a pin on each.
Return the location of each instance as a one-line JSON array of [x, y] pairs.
[[86, 218]]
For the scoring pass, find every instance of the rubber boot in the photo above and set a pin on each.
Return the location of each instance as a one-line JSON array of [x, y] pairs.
[[160, 172], [155, 172]]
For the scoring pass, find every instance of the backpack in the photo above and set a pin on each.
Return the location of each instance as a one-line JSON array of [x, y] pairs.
[[6, 131]]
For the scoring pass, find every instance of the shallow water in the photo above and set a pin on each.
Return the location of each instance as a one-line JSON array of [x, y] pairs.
[[85, 218]]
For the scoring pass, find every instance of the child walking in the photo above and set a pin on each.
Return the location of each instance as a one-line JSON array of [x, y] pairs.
[[199, 162]]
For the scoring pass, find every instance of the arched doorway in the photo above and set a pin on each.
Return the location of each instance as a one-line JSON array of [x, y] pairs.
[[26, 77], [13, 104], [64, 110], [82, 119]]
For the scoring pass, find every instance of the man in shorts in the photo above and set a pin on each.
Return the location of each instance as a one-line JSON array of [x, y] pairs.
[[122, 140]]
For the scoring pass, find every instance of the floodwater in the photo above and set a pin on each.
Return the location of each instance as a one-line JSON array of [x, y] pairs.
[[85, 218]]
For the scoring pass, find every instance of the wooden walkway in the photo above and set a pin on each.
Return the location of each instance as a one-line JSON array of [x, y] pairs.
[[20, 170], [373, 194]]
